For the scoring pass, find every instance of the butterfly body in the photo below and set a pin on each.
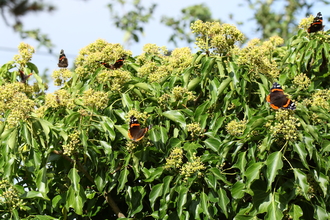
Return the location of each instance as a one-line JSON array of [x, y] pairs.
[[278, 100], [119, 63], [62, 60], [23, 76], [317, 24], [135, 132]]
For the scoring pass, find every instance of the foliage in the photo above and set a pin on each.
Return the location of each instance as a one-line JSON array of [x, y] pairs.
[[181, 26], [216, 149], [132, 21], [283, 22], [20, 8]]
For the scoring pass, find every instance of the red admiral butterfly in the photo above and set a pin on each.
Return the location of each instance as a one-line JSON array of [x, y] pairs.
[[62, 61], [23, 76], [277, 99], [317, 24], [119, 63], [135, 132]]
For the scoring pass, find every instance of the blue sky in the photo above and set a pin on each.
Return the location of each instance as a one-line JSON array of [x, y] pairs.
[[77, 23]]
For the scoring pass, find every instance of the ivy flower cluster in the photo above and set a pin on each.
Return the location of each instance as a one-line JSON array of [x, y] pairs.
[[194, 166], [163, 101], [301, 81], [95, 99], [180, 60], [61, 75], [60, 98], [188, 169], [147, 68], [174, 160], [153, 49], [139, 115], [115, 79], [180, 93], [10, 198], [306, 22], [71, 146], [216, 38], [236, 128], [259, 57], [25, 54], [99, 51], [194, 129], [159, 74], [14, 99], [320, 99], [286, 125]]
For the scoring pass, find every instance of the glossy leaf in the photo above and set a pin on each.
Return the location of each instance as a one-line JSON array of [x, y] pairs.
[[274, 163]]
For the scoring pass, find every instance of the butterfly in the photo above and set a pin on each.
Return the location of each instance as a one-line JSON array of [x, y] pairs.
[[23, 76], [119, 63], [317, 24], [135, 132], [278, 100], [62, 60]]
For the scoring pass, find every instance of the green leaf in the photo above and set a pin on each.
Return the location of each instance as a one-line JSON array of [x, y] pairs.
[[211, 181], [126, 100], [72, 118], [123, 130], [274, 163], [322, 180], [224, 84], [182, 198], [176, 116], [134, 198], [122, 179], [204, 204], [213, 144], [295, 212], [34, 194], [241, 162], [75, 179], [12, 139], [152, 174], [273, 211], [26, 134], [55, 201], [301, 179], [155, 193], [194, 83], [252, 172], [218, 175], [237, 190], [300, 149], [143, 86], [74, 200], [100, 181], [320, 213], [108, 126], [42, 182], [223, 201]]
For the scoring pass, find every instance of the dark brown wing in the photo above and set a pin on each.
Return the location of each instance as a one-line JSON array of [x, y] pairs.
[[62, 60]]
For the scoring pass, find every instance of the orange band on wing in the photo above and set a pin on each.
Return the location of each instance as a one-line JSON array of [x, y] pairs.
[[275, 90], [274, 106], [287, 103]]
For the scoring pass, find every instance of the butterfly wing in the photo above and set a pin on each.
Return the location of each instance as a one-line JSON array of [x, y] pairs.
[[135, 132], [62, 60]]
